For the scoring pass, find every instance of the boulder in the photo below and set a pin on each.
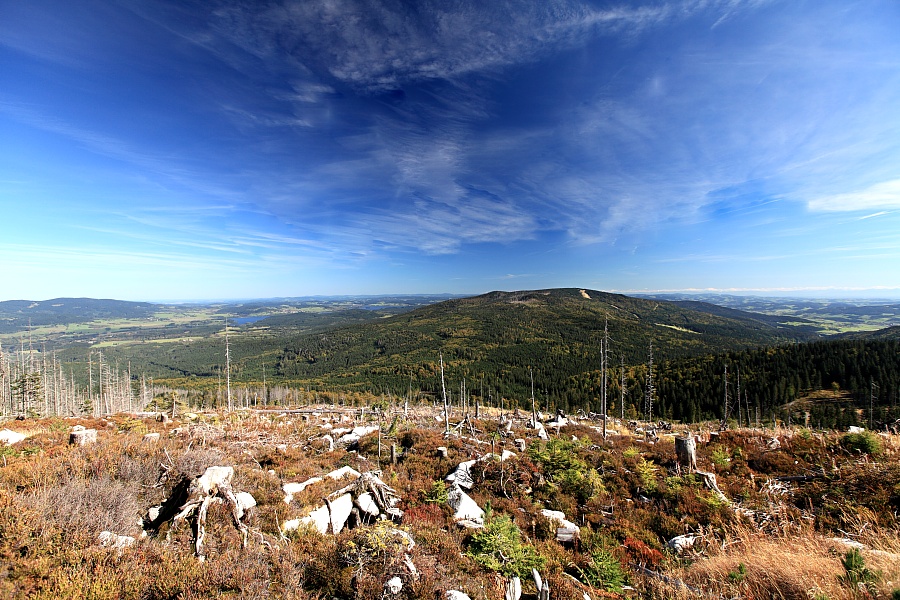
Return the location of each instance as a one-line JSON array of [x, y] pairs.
[[244, 501], [455, 595], [153, 513], [371, 495], [108, 539], [506, 455], [462, 476], [356, 434], [558, 421], [213, 479], [151, 438], [320, 518], [366, 503], [290, 525], [681, 543], [340, 509], [295, 488], [343, 472], [393, 586], [469, 524]]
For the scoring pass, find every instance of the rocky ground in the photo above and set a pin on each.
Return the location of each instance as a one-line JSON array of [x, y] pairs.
[[325, 503]]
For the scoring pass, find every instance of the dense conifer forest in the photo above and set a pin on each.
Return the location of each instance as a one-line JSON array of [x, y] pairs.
[[493, 347]]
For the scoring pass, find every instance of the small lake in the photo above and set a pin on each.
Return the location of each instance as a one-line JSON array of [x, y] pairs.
[[247, 320]]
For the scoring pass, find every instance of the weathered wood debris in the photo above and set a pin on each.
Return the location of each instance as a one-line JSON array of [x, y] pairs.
[[365, 500], [191, 499], [80, 436], [9, 437]]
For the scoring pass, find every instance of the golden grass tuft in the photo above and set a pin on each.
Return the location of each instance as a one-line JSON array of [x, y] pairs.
[[802, 566]]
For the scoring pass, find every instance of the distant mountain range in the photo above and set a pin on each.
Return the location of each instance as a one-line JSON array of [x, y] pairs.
[[498, 343], [16, 315]]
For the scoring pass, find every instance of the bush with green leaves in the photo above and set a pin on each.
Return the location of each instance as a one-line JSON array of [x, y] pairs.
[[720, 457], [646, 470], [499, 547], [738, 574], [562, 466], [865, 442], [556, 456]]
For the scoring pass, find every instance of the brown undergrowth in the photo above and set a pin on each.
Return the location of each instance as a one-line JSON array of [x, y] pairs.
[[800, 566], [768, 539]]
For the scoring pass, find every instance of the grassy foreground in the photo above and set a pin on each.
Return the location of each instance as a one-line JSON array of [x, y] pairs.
[[767, 538]]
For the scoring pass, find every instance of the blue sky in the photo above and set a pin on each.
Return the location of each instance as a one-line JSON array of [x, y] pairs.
[[200, 150]]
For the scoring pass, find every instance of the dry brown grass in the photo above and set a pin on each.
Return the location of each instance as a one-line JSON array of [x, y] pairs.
[[55, 498], [803, 566]]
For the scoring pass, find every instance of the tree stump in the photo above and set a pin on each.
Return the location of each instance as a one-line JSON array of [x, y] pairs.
[[191, 499], [513, 589], [81, 436], [686, 452]]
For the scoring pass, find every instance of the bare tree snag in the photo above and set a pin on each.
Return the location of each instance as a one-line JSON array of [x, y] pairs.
[[513, 588]]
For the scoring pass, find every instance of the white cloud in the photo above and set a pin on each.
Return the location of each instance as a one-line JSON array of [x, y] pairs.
[[884, 195]]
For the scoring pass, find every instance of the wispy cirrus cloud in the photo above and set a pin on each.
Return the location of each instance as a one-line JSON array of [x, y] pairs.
[[884, 195], [419, 80], [360, 132]]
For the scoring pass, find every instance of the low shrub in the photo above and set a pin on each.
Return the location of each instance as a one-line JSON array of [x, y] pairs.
[[856, 574], [864, 442], [499, 547], [603, 571]]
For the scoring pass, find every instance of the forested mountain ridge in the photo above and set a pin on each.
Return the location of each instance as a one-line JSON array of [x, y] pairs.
[[494, 345], [799, 325], [499, 336], [16, 315], [825, 316], [888, 333]]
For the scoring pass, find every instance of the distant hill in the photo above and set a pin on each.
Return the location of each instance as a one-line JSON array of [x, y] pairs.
[[556, 332], [821, 315], [799, 325], [320, 321], [492, 346], [888, 333], [15, 315]]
